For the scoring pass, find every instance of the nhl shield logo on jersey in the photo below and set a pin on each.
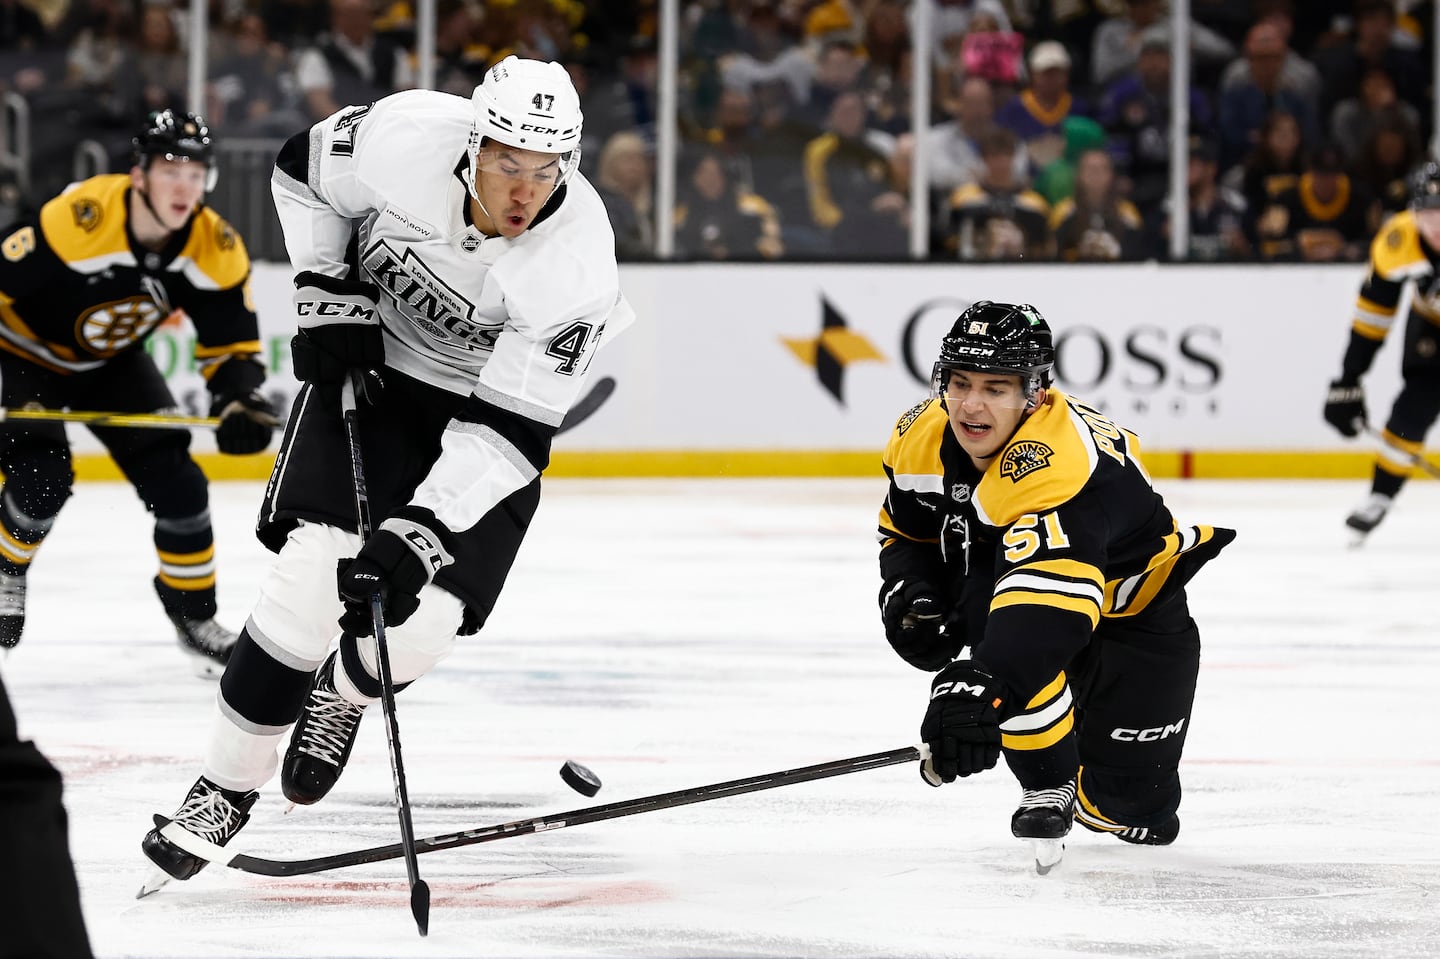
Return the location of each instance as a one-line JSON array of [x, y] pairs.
[[1023, 458], [960, 492]]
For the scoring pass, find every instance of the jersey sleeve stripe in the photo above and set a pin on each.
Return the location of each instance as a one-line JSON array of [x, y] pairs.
[[919, 482], [1044, 709], [511, 404], [1085, 606]]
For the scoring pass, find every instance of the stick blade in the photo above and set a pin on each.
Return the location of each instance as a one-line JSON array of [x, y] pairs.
[[420, 905]]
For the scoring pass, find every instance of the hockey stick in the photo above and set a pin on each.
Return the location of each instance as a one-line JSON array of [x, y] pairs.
[[1425, 465], [98, 418], [586, 406], [419, 889], [197, 846]]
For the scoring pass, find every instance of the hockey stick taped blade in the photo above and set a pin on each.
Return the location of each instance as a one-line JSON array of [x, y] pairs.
[[580, 779]]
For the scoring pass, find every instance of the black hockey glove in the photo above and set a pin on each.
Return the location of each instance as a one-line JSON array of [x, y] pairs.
[[247, 422], [1345, 408], [962, 724], [912, 613], [398, 560], [339, 328]]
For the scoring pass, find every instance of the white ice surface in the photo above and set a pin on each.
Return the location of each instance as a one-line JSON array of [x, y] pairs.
[[671, 634]]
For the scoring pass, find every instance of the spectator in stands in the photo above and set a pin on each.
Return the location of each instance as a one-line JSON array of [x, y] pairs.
[[996, 217], [985, 51], [1036, 115], [1217, 224], [777, 172], [837, 70], [953, 147], [1389, 153], [159, 60], [768, 53], [350, 64], [624, 181], [294, 24], [251, 88], [460, 59], [1056, 180], [1296, 73], [1096, 224], [1355, 118], [714, 220], [21, 28], [951, 18], [848, 183], [1271, 168], [1117, 41], [1135, 112], [1243, 108], [887, 37], [1343, 66], [1321, 219]]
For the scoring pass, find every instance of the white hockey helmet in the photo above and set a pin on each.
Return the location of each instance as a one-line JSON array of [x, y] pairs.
[[529, 105]]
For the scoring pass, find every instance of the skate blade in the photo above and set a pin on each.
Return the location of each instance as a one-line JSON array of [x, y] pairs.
[[1357, 539], [1048, 853], [154, 882]]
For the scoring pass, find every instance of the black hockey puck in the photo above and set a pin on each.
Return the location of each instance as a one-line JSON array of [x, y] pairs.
[[580, 779]]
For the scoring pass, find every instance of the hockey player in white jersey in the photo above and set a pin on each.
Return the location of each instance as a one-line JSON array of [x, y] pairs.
[[451, 251]]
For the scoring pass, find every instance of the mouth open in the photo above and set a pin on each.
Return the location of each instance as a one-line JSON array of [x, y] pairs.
[[975, 431]]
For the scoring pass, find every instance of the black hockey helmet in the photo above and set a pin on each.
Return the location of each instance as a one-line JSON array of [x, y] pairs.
[[176, 136], [1425, 186], [1005, 338]]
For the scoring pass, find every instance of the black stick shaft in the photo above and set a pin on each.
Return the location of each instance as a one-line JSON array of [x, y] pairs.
[[419, 889], [579, 817]]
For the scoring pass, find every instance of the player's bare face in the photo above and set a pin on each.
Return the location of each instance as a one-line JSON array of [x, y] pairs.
[[513, 185], [175, 189], [1428, 223], [985, 411]]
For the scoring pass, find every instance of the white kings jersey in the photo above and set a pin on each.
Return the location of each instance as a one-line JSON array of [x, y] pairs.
[[513, 322]]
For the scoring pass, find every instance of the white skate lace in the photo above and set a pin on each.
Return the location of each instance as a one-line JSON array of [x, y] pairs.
[[1061, 797], [206, 812], [12, 595], [329, 725]]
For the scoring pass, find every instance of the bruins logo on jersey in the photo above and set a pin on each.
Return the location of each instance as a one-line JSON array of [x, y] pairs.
[[911, 415], [111, 327], [1023, 458], [224, 236], [88, 214], [1395, 237]]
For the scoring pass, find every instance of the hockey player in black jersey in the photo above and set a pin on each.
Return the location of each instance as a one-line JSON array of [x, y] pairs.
[[83, 285], [450, 251], [1406, 247], [1027, 558]]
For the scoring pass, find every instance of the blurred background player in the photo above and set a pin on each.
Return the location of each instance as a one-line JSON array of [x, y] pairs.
[[82, 286], [1407, 247], [472, 300], [1025, 555]]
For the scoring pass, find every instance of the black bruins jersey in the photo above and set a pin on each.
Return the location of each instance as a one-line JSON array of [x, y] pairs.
[[1398, 253], [76, 289], [1062, 532]]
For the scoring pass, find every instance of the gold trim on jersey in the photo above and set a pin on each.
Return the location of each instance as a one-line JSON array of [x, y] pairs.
[[214, 255], [1396, 253], [913, 450], [1055, 583]]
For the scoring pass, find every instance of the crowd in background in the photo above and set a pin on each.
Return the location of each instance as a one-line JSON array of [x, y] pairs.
[[1048, 137]]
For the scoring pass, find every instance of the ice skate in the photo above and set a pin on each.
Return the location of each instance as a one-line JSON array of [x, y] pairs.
[[1161, 835], [12, 609], [206, 644], [1367, 516], [1043, 819], [320, 745], [210, 813]]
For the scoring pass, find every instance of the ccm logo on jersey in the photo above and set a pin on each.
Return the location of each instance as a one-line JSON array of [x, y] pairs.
[[1153, 734], [343, 309]]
